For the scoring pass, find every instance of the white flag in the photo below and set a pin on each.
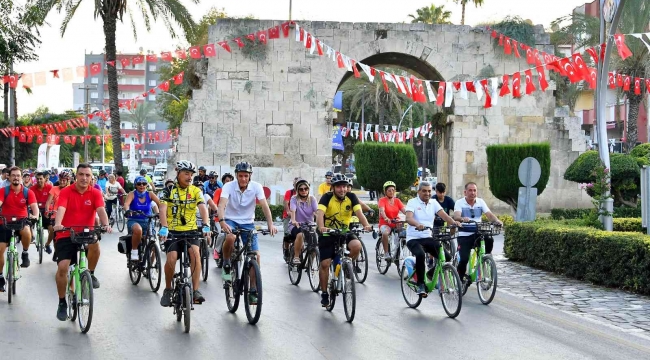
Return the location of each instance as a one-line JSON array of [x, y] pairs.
[[313, 45], [432, 95], [479, 89], [417, 131], [463, 91], [494, 82], [367, 70], [298, 32], [449, 93]]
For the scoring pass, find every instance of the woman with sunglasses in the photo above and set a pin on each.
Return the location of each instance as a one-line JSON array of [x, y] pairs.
[[138, 200], [302, 208]]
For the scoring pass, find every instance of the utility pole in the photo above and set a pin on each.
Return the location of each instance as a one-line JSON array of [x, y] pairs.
[[290, 6], [86, 89], [424, 147], [12, 117], [363, 115]]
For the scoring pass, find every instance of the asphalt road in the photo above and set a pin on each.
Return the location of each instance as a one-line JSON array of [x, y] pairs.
[[129, 323]]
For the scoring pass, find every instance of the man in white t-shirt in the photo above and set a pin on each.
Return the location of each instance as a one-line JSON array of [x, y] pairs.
[[420, 213], [237, 204], [471, 207]]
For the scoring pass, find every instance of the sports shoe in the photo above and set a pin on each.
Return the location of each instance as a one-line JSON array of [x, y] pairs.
[[62, 311], [198, 297], [215, 254], [252, 297], [48, 249], [388, 258], [95, 281], [324, 299], [25, 258], [466, 283], [296, 261], [2, 284], [134, 255], [225, 273], [422, 290], [166, 298]]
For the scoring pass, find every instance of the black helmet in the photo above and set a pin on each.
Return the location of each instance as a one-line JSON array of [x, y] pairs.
[[213, 174], [198, 183], [225, 176], [201, 168], [142, 172], [102, 172], [339, 179], [329, 173], [244, 166]]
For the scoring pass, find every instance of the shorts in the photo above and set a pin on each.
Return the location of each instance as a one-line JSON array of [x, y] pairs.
[[383, 228], [5, 235], [244, 237], [326, 245], [45, 221], [143, 224], [66, 250], [177, 246]]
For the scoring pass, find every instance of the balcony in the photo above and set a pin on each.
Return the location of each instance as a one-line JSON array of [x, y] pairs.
[[128, 87], [131, 72]]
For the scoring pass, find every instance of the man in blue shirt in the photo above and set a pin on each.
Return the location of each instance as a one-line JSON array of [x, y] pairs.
[[54, 177], [212, 184]]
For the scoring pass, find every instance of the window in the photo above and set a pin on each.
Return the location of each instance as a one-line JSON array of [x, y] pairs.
[[122, 81], [152, 83], [152, 97], [94, 80], [135, 81], [94, 95], [122, 126], [151, 141], [151, 126], [152, 67]]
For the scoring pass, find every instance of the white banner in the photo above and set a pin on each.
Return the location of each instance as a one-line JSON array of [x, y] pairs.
[[133, 162], [75, 159], [42, 157], [53, 156]]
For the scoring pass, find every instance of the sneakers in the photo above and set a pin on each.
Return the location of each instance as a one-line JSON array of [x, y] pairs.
[[225, 273], [2, 284], [215, 254], [48, 249], [296, 261], [357, 269], [324, 299], [134, 255], [388, 258], [422, 290], [198, 297], [166, 299], [95, 281], [62, 311], [252, 297], [25, 258], [466, 283]]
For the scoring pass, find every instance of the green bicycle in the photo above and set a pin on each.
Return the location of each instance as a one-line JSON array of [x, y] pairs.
[[80, 283], [443, 277], [38, 237], [12, 268], [482, 269]]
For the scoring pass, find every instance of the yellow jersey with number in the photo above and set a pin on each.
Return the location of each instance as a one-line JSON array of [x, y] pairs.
[[181, 207]]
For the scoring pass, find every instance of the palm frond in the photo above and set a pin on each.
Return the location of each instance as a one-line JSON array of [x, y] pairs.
[[70, 10]]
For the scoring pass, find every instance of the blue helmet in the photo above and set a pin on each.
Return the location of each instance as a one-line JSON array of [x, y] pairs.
[[140, 179]]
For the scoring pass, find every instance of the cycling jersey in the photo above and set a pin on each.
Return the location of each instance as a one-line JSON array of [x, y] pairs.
[[324, 188], [341, 211], [41, 194], [181, 207]]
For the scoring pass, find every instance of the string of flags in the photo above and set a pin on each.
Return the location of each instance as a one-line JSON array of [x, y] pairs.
[[373, 132], [55, 139], [153, 152]]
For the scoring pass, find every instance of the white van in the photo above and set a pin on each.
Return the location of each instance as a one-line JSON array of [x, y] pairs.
[[109, 167], [159, 174]]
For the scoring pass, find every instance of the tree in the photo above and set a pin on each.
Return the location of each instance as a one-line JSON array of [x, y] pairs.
[[110, 11], [477, 3], [431, 15], [140, 116], [377, 163]]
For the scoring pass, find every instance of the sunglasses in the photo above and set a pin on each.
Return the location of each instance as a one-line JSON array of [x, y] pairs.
[[211, 177], [303, 188], [141, 184]]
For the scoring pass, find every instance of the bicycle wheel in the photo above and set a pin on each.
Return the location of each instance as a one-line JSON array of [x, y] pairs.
[[411, 297], [398, 261], [39, 243], [487, 285], [382, 264], [204, 259], [154, 267], [134, 270], [331, 290], [121, 220], [404, 252], [187, 308], [253, 308], [72, 302], [295, 271], [232, 289], [178, 303], [10, 275], [361, 263], [451, 293], [85, 303], [313, 265], [349, 294]]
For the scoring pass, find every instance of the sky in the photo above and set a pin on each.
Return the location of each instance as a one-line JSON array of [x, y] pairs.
[[85, 35]]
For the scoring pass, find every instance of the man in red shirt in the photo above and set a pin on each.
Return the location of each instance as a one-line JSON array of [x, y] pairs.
[[15, 205], [42, 191], [79, 204]]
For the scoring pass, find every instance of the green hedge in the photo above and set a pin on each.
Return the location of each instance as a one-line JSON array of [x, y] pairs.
[[619, 212], [641, 153], [614, 259], [276, 212], [503, 168], [628, 224], [377, 163]]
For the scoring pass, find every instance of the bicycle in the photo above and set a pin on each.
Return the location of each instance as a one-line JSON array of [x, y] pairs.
[[240, 271], [182, 300], [309, 258], [80, 283], [205, 258], [149, 255], [360, 264], [37, 239], [443, 277], [341, 282], [396, 247], [117, 215], [12, 268], [481, 268]]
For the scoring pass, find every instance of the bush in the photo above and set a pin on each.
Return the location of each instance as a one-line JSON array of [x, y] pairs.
[[628, 224], [641, 153], [406, 195], [503, 169], [615, 259], [377, 163], [276, 212], [619, 212]]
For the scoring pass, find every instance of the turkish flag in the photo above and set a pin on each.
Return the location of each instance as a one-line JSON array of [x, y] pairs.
[[593, 54], [354, 69], [440, 100], [529, 56], [515, 48], [626, 83], [95, 68], [66, 139], [637, 86], [274, 32], [319, 47], [225, 46], [209, 50], [125, 62], [111, 63], [602, 51], [181, 54], [619, 80], [516, 85], [164, 86], [530, 87], [494, 34], [285, 29], [469, 85], [83, 139], [138, 59], [507, 48], [39, 139], [580, 66], [30, 138], [178, 79], [251, 37], [22, 137], [383, 78], [157, 136], [592, 79], [57, 139], [73, 140], [570, 70], [98, 139], [308, 42], [195, 52], [623, 51], [543, 84], [152, 58], [149, 136], [339, 60], [262, 36], [647, 85], [166, 56], [239, 42], [500, 39], [13, 81], [152, 91]]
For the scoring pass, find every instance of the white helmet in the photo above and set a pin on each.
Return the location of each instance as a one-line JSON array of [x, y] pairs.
[[185, 165]]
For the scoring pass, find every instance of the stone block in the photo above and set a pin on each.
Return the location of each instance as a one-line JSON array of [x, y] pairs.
[[228, 95], [308, 117], [276, 96], [239, 85], [270, 105], [303, 106], [232, 117], [277, 145], [247, 145], [238, 75], [224, 84], [265, 117], [292, 96], [533, 119], [224, 105], [221, 159], [278, 130], [292, 146], [286, 105], [257, 130], [196, 146], [234, 144], [262, 145], [256, 105], [323, 146], [240, 105], [246, 65], [291, 117], [323, 161], [241, 130], [192, 130], [222, 75], [307, 147], [260, 95], [319, 131], [245, 95], [248, 116]]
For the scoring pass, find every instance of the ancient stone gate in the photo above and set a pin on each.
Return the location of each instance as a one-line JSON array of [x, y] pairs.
[[276, 113]]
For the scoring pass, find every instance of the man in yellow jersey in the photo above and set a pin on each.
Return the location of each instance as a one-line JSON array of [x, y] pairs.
[[326, 186]]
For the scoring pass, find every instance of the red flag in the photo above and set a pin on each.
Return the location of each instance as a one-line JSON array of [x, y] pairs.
[[488, 98], [83, 139], [647, 85], [507, 48], [619, 80], [73, 140], [30, 138], [515, 48], [593, 54], [57, 139], [176, 132], [251, 37], [195, 52], [543, 84], [157, 136], [166, 56], [354, 69], [530, 87], [138, 59], [66, 139], [98, 139], [209, 50], [500, 39], [239, 42], [285, 29], [262, 36], [178, 79], [225, 46], [164, 86], [125, 62], [383, 78], [308, 42], [319, 47], [637, 86], [423, 98], [623, 51], [626, 83], [593, 76], [494, 34], [181, 54], [13, 81], [570, 70], [39, 139], [469, 85], [341, 63], [580, 66], [602, 51], [152, 91], [152, 58], [536, 57], [274, 32], [111, 63], [516, 85], [55, 74], [22, 137], [440, 100], [95, 68], [529, 56]]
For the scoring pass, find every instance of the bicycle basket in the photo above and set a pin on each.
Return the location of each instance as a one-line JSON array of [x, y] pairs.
[[84, 237], [487, 228]]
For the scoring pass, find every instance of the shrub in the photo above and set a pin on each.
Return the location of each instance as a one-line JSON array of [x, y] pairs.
[[615, 259], [276, 212], [628, 224], [503, 169], [406, 195], [377, 163], [619, 212], [641, 153]]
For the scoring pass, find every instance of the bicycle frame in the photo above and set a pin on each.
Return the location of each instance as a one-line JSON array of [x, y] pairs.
[[340, 250], [437, 278], [238, 254], [15, 228]]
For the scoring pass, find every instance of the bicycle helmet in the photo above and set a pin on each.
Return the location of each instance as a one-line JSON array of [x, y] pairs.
[[139, 179], [102, 172], [339, 179], [389, 183], [329, 173], [301, 181], [244, 166], [198, 183], [225, 176], [65, 174], [201, 168], [213, 174], [143, 172], [185, 165]]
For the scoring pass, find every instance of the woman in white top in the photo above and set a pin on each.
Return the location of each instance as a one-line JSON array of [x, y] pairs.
[[110, 195]]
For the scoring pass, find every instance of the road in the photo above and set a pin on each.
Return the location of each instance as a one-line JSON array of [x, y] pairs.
[[129, 323]]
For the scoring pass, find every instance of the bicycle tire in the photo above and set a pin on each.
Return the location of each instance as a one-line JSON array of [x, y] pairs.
[[382, 264], [312, 268], [72, 306], [233, 290], [39, 243], [398, 261], [86, 300], [121, 220], [178, 304], [187, 308], [295, 271], [155, 267], [135, 272], [10, 275], [488, 261], [331, 290], [454, 286], [349, 293], [362, 262], [411, 297], [205, 260], [404, 252], [253, 311]]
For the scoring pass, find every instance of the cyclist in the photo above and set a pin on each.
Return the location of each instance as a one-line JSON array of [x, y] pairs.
[[27, 179], [182, 200], [207, 199], [335, 209], [42, 192], [213, 183], [390, 207], [143, 173], [110, 194], [138, 222], [365, 208], [14, 200], [102, 180], [471, 207], [240, 214], [78, 205], [286, 218], [420, 213], [52, 204], [202, 177], [226, 178], [326, 186], [302, 208]]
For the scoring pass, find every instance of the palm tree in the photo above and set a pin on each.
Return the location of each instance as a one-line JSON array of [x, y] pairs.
[[140, 116], [431, 15], [477, 3], [110, 11]]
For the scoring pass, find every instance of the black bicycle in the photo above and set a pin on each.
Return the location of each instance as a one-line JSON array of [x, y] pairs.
[[341, 275], [244, 260], [309, 257], [360, 264], [149, 261], [182, 300]]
